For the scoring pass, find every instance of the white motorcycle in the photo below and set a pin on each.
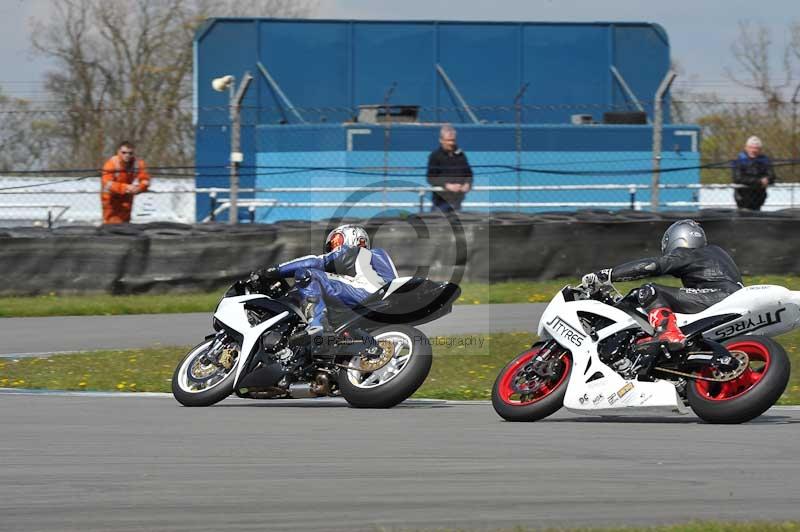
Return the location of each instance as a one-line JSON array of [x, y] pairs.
[[594, 357], [374, 358]]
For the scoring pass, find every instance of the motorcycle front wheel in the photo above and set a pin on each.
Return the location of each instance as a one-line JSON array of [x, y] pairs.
[[394, 381], [204, 376], [520, 395]]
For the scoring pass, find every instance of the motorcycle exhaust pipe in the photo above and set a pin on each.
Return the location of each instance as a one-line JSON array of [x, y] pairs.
[[301, 390], [304, 390], [321, 385]]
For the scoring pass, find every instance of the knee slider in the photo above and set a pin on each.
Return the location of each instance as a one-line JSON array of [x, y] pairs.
[[646, 295]]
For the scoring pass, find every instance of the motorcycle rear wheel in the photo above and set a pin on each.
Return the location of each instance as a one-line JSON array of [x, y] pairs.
[[396, 381], [750, 394]]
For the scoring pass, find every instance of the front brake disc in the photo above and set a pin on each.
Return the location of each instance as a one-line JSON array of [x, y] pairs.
[[226, 358]]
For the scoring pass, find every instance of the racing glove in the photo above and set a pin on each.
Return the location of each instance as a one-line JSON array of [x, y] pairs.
[[264, 276], [597, 279]]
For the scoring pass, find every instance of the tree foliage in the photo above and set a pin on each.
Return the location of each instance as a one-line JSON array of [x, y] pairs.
[[772, 75], [124, 71]]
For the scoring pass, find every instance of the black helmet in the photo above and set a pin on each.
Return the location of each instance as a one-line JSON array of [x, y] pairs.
[[683, 234]]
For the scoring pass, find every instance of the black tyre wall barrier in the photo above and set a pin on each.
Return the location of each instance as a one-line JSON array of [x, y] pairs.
[[506, 246]]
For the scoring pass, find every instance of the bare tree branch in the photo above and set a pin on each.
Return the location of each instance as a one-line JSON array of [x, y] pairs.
[[124, 70], [752, 52]]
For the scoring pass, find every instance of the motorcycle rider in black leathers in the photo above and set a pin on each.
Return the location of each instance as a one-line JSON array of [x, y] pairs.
[[708, 274]]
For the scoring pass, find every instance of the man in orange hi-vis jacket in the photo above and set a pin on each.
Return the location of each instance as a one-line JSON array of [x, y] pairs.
[[119, 174]]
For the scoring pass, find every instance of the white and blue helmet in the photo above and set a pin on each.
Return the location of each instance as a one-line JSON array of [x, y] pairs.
[[347, 235]]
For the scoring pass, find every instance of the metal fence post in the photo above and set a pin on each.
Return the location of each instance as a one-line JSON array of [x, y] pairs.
[[236, 145], [518, 113], [658, 125], [795, 146], [387, 134], [213, 198]]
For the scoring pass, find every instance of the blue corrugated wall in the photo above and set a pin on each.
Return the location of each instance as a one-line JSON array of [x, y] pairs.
[[328, 68]]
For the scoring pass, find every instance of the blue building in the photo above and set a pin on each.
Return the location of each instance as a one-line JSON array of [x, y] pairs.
[[300, 114]]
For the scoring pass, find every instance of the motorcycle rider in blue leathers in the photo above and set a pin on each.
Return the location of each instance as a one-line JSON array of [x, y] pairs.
[[347, 273]]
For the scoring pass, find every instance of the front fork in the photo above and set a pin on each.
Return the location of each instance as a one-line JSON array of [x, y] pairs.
[[544, 364]]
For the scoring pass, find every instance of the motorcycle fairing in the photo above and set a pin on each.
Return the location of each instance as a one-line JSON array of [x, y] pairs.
[[232, 313], [593, 386], [765, 310]]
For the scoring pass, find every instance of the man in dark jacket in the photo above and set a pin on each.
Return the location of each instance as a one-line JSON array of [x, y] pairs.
[[707, 272], [448, 168], [753, 170]]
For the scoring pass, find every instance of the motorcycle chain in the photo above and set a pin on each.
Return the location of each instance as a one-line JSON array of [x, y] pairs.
[[733, 375]]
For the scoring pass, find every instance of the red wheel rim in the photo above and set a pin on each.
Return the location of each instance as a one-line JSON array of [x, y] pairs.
[[507, 392], [755, 371]]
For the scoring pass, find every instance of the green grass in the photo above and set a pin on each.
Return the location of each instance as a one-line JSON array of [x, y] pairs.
[[472, 294], [464, 368], [104, 304]]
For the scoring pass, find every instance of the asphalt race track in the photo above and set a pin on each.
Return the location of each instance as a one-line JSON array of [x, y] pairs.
[[34, 336], [82, 461], [145, 463]]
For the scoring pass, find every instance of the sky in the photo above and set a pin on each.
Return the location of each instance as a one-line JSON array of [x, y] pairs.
[[701, 31]]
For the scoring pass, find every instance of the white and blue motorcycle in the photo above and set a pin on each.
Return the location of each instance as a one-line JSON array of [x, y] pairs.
[[594, 357]]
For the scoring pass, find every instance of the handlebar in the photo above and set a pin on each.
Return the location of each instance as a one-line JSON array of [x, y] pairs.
[[244, 287], [606, 293]]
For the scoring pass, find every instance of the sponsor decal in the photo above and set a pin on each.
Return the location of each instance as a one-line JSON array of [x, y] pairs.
[[643, 398], [612, 399], [625, 389], [750, 324], [584, 399], [567, 331], [596, 400]]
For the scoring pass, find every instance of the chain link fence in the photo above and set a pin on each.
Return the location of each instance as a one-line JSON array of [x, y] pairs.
[[316, 163]]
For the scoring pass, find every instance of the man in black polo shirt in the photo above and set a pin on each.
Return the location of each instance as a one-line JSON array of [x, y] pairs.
[[448, 168]]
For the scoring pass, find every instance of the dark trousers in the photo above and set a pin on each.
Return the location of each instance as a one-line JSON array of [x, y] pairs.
[[750, 198], [685, 300]]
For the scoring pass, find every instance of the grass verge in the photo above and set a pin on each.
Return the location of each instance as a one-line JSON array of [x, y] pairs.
[[472, 294], [464, 368]]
